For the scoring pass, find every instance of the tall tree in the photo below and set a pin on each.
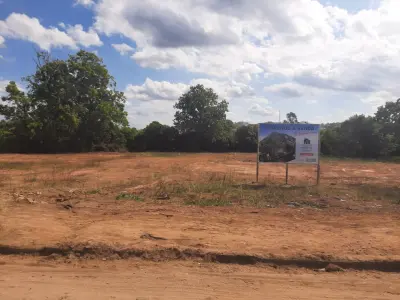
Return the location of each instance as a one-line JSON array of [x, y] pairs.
[[291, 118], [201, 115], [20, 122], [77, 104], [389, 117], [246, 138]]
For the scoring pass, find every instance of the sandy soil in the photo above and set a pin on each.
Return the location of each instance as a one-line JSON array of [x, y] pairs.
[[37, 279], [285, 232], [67, 204]]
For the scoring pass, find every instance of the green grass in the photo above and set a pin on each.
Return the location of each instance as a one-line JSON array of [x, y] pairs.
[[93, 192], [128, 196], [214, 189], [16, 165], [208, 202]]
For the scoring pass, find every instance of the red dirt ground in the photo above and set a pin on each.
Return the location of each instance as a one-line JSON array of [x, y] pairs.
[[358, 221]]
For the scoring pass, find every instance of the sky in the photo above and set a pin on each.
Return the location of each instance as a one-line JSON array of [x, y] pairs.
[[323, 60]]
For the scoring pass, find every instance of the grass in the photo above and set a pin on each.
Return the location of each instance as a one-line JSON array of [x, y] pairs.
[[176, 180], [93, 192], [129, 196], [31, 178], [217, 189], [208, 202], [16, 165]]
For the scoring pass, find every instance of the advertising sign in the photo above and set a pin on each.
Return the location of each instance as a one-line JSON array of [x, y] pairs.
[[288, 143]]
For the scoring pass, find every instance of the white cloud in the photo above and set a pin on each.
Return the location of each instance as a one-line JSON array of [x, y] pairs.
[[1, 41], [3, 84], [23, 27], [155, 90], [86, 3], [378, 98], [288, 89], [123, 48], [264, 111], [303, 41], [163, 90], [85, 38], [62, 25], [20, 26]]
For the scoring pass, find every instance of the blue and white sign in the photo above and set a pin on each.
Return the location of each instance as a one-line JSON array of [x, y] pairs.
[[288, 143]]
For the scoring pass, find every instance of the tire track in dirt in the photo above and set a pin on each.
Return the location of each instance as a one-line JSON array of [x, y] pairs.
[[166, 254]]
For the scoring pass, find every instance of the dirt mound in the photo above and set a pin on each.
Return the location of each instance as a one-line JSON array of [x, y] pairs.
[[106, 252]]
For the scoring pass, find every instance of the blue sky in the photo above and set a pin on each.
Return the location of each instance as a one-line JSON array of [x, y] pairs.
[[323, 60]]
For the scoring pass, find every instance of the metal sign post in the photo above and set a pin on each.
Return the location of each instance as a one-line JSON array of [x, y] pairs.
[[258, 152], [319, 155], [287, 173]]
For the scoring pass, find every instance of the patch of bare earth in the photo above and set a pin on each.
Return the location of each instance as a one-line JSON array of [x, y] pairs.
[[203, 208]]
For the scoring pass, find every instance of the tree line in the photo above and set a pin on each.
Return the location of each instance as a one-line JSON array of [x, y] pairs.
[[73, 105]]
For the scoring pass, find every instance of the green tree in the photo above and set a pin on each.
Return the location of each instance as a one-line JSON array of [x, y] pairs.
[[389, 117], [246, 138], [291, 118], [77, 104], [18, 128], [201, 115], [156, 137]]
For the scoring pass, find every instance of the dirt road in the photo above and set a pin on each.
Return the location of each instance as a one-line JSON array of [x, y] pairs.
[[280, 233], [38, 279]]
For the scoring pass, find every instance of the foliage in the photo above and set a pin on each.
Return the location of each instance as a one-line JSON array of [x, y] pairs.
[[291, 118], [200, 115], [72, 105], [246, 138]]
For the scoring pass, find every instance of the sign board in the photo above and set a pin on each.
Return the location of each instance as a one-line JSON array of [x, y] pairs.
[[288, 143]]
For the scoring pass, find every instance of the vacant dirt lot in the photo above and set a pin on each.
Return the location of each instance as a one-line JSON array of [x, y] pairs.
[[202, 208]]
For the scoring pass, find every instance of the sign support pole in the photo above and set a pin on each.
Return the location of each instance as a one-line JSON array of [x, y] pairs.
[[287, 173], [319, 155], [258, 152]]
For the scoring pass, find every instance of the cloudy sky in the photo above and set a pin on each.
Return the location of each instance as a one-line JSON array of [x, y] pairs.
[[324, 60]]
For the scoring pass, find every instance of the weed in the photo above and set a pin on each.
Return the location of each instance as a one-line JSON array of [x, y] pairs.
[[15, 165], [208, 202], [128, 196], [93, 192]]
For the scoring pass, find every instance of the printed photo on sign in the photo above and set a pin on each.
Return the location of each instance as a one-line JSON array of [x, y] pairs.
[[288, 143]]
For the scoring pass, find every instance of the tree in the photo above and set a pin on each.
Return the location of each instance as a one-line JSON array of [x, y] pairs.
[[246, 138], [291, 118], [156, 137], [389, 117], [18, 129], [201, 115], [76, 104]]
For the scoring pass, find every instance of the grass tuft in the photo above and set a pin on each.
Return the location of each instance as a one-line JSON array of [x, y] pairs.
[[128, 196]]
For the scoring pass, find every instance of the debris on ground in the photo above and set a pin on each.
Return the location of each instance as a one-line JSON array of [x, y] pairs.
[[330, 268], [166, 215], [151, 237], [18, 197], [163, 197], [294, 204], [67, 206]]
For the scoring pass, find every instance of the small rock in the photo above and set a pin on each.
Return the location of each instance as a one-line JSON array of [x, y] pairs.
[[30, 201], [333, 268], [151, 237], [163, 197], [67, 206]]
